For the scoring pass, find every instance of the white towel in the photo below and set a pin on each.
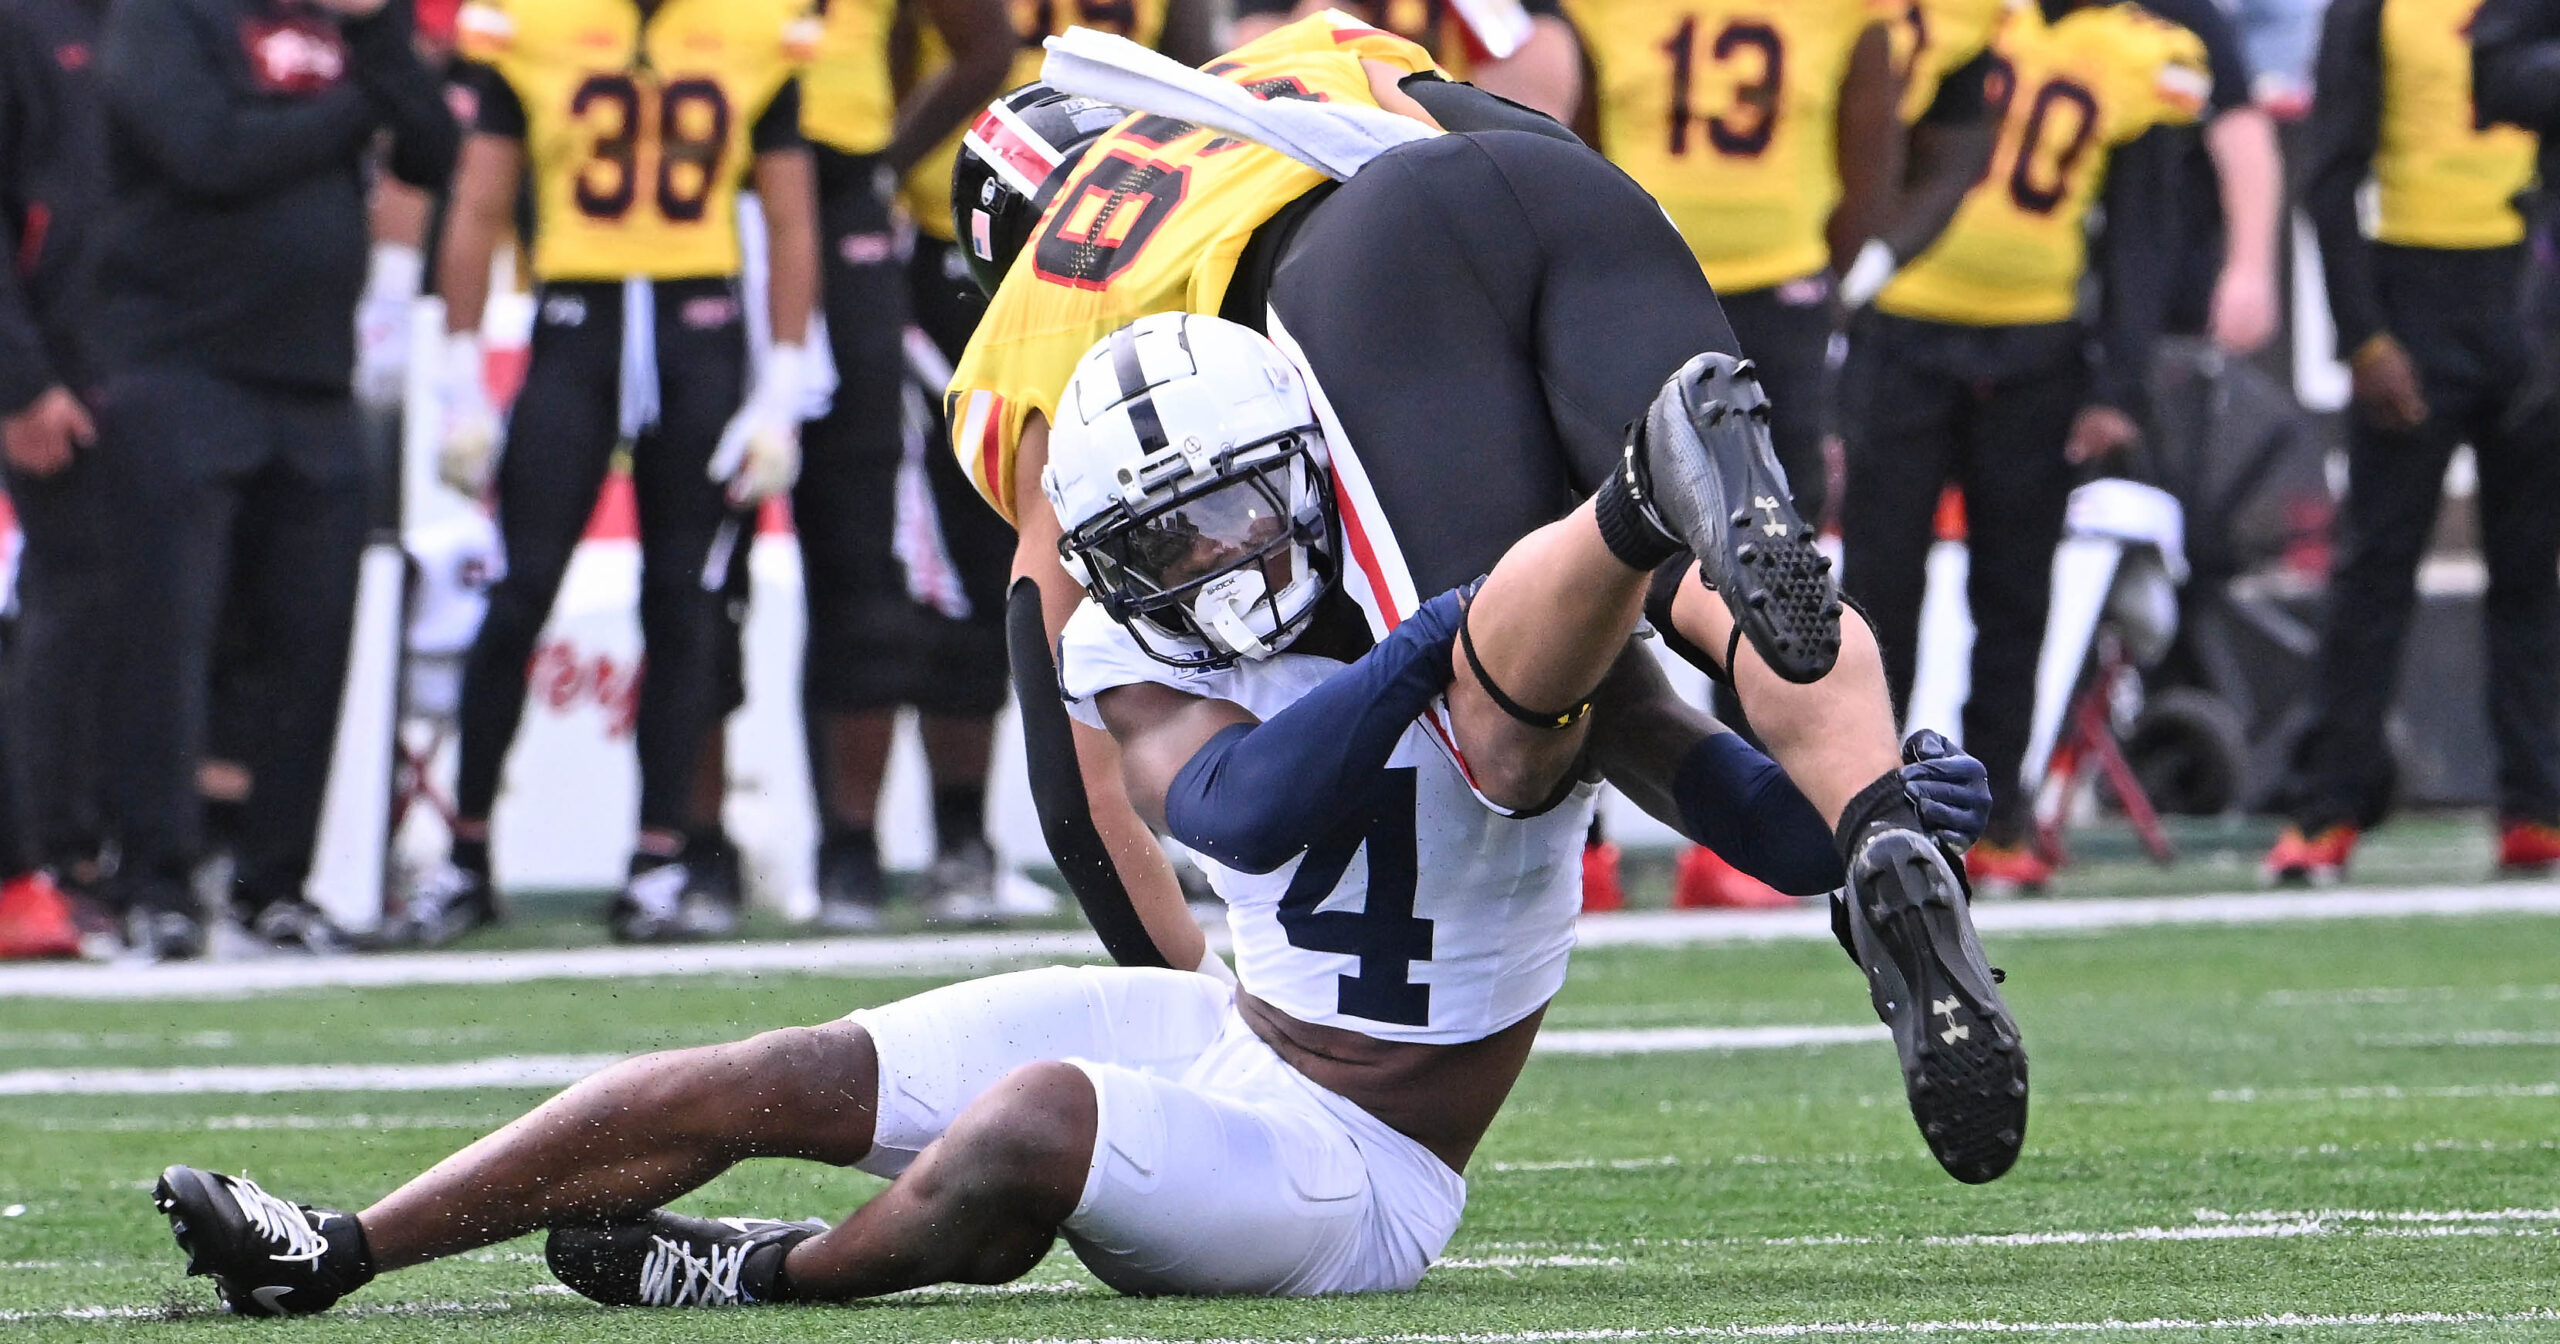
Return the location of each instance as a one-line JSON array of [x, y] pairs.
[[639, 399], [1501, 26], [916, 534], [1335, 139]]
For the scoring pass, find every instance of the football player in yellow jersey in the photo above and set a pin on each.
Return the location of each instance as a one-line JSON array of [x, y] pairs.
[[1544, 71], [1485, 312], [2430, 322], [1973, 365], [871, 647], [635, 124]]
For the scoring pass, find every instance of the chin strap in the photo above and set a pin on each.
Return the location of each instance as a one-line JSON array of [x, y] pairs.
[[1225, 609]]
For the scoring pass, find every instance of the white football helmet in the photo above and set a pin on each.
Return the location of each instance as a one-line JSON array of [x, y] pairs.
[[1195, 489]]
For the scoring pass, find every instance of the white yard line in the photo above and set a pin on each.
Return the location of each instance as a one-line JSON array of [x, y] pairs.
[[958, 953], [560, 1070], [2289, 1320]]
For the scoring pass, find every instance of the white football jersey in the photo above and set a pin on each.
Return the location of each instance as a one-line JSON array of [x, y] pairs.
[[1433, 919]]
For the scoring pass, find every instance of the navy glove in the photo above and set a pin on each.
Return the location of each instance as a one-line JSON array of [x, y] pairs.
[[1951, 790]]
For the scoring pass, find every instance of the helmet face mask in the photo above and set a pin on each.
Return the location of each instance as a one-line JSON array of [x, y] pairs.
[[1210, 567], [1193, 490]]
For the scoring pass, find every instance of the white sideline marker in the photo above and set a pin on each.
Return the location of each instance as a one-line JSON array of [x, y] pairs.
[[947, 954], [561, 1070]]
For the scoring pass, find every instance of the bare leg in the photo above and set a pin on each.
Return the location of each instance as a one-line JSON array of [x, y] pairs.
[[1555, 614], [981, 1204], [637, 1135], [1834, 736], [855, 751]]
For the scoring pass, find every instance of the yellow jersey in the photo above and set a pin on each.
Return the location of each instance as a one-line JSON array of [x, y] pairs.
[[1728, 112], [2068, 91], [846, 101], [1433, 25], [1152, 222], [927, 192], [2442, 183], [637, 131], [1935, 38]]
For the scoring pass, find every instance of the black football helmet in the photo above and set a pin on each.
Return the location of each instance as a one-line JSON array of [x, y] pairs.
[[1012, 160]]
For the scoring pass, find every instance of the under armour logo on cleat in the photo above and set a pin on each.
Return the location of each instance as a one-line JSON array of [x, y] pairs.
[[1956, 1031], [1769, 505], [272, 1298]]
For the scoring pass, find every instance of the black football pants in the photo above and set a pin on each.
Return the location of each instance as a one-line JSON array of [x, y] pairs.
[[871, 646], [57, 659], [1488, 312], [225, 491], [2456, 314], [1988, 409], [560, 441]]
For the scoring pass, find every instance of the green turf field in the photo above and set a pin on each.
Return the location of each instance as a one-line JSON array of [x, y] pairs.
[[2350, 1123]]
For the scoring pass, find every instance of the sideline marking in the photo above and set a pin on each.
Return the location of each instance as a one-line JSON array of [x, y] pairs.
[[956, 953], [2290, 1320], [561, 1070]]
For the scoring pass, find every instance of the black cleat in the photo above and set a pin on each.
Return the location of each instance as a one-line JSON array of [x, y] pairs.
[[266, 1256], [663, 1259], [1964, 1066], [1702, 464]]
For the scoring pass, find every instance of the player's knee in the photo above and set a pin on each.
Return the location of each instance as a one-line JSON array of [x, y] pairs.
[[1027, 1142]]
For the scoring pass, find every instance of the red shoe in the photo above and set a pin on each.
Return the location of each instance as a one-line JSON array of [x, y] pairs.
[[2006, 870], [35, 920], [2319, 859], [2528, 849], [1601, 890], [1707, 882]]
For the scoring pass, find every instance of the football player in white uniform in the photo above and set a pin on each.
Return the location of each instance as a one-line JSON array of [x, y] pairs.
[[1301, 1132]]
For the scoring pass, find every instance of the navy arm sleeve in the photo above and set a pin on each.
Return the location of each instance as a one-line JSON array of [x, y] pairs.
[[1256, 795], [2346, 127], [172, 101], [424, 138], [1740, 804]]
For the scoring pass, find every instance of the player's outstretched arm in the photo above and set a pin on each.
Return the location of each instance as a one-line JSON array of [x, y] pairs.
[[1253, 795]]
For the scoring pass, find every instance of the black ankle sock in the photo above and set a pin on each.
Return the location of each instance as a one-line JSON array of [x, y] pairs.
[[706, 841], [861, 842], [765, 1277], [1882, 802], [470, 855], [1635, 539], [959, 815]]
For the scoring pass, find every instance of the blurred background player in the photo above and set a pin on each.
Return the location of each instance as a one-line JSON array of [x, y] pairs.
[[232, 255], [945, 659], [1545, 70], [53, 166], [2229, 195], [1974, 368], [2428, 316], [871, 646], [636, 125]]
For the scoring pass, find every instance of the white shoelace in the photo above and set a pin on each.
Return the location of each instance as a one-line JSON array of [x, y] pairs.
[[277, 1221], [673, 1276]]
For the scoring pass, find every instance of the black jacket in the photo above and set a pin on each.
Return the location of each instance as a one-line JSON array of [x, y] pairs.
[[52, 166], [2515, 71], [236, 232]]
